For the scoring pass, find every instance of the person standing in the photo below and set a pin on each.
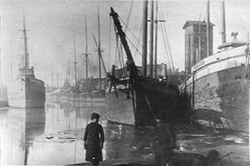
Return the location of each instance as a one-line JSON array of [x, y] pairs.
[[164, 141], [93, 140]]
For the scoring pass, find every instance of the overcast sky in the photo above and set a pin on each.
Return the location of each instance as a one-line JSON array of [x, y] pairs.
[[53, 23]]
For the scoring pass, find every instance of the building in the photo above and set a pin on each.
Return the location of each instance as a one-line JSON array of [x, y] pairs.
[[195, 38]]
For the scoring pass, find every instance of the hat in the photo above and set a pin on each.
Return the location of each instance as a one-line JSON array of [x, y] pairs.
[[95, 116]]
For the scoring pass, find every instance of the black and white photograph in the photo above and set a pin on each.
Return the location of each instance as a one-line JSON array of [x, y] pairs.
[[125, 82]]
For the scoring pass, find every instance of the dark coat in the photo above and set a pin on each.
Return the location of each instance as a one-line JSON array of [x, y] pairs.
[[94, 137], [163, 137]]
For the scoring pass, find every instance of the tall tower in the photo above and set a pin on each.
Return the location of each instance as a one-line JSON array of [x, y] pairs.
[[196, 43]]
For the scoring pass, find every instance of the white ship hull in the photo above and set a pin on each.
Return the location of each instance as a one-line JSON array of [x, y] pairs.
[[26, 92], [221, 88]]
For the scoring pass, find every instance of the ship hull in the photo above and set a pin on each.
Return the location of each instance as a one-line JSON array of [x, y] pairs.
[[26, 92], [141, 104], [3, 97], [221, 98]]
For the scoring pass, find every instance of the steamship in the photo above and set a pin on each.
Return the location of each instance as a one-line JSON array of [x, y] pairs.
[[219, 86], [26, 91]]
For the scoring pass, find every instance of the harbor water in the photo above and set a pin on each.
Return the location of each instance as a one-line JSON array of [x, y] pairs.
[[54, 136]]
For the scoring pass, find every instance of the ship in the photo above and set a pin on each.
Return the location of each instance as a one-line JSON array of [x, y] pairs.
[[85, 89], [26, 91], [219, 86], [3, 96], [135, 99]]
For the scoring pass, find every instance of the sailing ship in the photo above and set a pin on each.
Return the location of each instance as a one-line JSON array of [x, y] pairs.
[[219, 86], [135, 99], [26, 91], [99, 91], [89, 89]]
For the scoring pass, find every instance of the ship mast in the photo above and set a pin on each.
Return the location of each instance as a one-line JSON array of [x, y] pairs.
[[26, 55], [151, 40], [130, 62], [223, 30], [144, 39], [75, 62], [208, 28], [156, 35], [86, 54], [199, 42], [99, 52]]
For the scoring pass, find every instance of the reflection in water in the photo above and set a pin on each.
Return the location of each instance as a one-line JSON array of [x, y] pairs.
[[54, 136], [64, 128], [19, 128]]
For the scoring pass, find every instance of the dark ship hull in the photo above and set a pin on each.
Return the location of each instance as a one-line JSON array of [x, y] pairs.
[[139, 105], [221, 88], [133, 98]]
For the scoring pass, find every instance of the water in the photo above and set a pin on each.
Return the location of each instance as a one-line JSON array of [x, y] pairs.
[[53, 136], [39, 136]]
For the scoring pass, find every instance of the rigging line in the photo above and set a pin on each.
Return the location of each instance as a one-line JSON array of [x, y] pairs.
[[134, 46], [116, 39], [116, 53], [127, 39], [164, 39], [166, 36], [170, 54], [167, 56], [167, 52], [119, 55], [160, 17], [122, 59], [129, 31], [130, 11], [109, 41], [137, 45], [167, 17]]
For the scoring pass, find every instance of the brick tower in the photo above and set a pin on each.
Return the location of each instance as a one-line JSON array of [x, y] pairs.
[[192, 41]]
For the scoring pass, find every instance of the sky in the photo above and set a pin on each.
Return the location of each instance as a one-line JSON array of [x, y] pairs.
[[52, 25]]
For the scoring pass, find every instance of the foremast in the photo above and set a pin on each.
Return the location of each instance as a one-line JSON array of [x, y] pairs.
[[130, 61], [24, 69]]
